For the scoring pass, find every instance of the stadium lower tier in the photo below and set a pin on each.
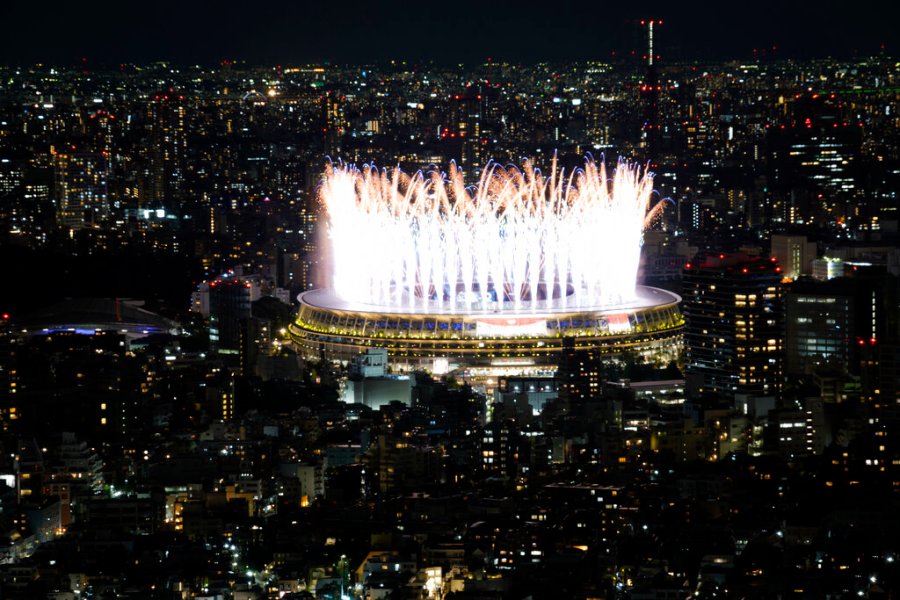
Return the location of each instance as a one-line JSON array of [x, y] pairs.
[[329, 328]]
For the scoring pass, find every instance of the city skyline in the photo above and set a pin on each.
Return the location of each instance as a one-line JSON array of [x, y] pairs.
[[240, 362]]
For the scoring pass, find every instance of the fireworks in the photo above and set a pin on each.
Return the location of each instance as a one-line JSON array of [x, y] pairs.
[[518, 240]]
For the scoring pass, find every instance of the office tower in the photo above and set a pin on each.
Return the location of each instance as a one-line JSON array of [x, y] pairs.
[[819, 320], [167, 148], [229, 307], [734, 319], [848, 325], [80, 189]]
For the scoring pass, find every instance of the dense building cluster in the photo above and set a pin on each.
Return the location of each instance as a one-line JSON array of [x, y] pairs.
[[163, 438]]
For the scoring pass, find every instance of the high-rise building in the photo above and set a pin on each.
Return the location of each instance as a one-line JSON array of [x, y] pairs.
[[845, 324], [166, 115], [465, 129], [229, 308], [335, 123], [81, 190], [100, 136], [309, 251], [734, 321], [819, 319], [470, 124]]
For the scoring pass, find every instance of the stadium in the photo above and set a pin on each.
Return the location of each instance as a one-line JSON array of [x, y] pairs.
[[329, 327], [492, 277]]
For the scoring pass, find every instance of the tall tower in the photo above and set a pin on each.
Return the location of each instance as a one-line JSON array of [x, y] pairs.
[[229, 306], [334, 123], [101, 125], [167, 149], [467, 112], [650, 94], [470, 124], [734, 323]]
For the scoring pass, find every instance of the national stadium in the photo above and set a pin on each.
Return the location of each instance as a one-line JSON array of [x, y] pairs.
[[491, 277]]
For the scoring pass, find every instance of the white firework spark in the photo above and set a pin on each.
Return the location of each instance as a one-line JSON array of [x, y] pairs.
[[518, 240]]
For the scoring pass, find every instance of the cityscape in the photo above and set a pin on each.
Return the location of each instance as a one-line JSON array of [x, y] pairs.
[[620, 326]]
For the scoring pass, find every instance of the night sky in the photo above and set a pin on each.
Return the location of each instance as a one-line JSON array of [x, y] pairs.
[[269, 32]]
